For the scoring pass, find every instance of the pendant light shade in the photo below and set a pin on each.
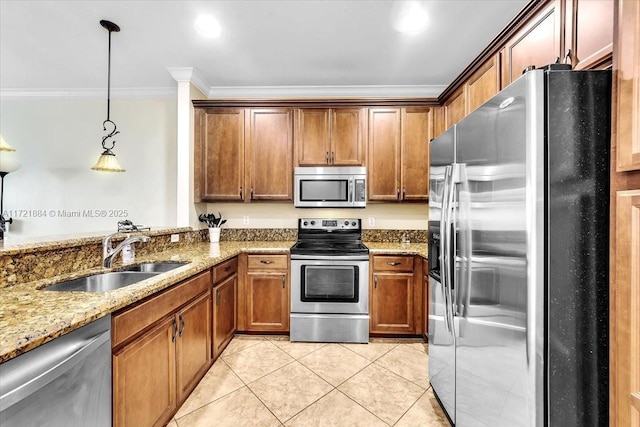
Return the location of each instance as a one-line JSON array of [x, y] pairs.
[[4, 145], [107, 161]]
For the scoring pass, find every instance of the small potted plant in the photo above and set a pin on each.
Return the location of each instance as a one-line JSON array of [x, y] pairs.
[[213, 223]]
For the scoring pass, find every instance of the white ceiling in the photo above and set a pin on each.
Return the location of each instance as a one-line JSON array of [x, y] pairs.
[[341, 47]]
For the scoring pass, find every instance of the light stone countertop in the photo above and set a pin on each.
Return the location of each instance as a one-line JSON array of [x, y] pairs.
[[31, 316]]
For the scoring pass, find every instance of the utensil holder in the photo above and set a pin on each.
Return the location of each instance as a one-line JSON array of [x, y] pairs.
[[214, 235]]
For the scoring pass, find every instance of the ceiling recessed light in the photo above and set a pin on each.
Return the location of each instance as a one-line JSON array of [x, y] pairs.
[[411, 17], [208, 26]]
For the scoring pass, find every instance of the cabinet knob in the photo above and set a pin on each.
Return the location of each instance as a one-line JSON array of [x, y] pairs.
[[333, 157], [567, 57], [326, 157]]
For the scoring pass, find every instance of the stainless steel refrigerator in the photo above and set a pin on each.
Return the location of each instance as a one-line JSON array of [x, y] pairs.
[[518, 255]]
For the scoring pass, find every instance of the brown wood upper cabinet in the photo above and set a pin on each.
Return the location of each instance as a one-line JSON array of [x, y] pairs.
[[329, 136], [576, 32], [588, 33], [398, 146], [235, 150], [628, 87], [270, 154], [219, 154]]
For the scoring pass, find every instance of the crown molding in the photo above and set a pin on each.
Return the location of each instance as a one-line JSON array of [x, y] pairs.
[[128, 93], [189, 74], [360, 91]]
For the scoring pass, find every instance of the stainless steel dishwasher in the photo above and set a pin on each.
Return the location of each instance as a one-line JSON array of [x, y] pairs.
[[65, 382]]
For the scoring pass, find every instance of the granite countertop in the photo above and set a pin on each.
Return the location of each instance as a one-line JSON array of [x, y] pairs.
[[30, 316], [382, 248]]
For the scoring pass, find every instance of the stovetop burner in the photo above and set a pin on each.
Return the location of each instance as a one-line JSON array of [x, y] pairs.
[[323, 236]]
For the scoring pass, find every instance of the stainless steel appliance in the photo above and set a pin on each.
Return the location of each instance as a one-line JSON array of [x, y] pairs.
[[329, 282], [518, 255], [330, 187], [65, 382]]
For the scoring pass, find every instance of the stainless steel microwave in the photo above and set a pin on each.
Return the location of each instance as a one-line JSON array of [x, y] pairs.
[[330, 187]]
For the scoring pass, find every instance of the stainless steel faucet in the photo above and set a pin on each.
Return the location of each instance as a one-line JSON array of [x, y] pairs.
[[108, 252]]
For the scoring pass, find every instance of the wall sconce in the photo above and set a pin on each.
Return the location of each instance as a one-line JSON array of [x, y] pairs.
[[107, 161], [8, 163]]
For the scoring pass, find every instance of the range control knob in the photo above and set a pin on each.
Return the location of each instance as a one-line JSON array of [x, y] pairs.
[[305, 223], [313, 223], [353, 223], [346, 223]]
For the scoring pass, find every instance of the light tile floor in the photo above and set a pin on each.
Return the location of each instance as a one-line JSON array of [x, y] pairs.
[[269, 381]]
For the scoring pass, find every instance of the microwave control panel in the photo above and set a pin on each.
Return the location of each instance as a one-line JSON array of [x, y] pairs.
[[360, 191]]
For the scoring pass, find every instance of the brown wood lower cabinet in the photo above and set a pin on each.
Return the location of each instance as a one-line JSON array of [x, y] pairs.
[[193, 345], [144, 378], [396, 296], [161, 349], [224, 313], [263, 300]]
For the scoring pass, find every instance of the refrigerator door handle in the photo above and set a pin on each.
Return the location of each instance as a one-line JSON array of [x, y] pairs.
[[445, 231]]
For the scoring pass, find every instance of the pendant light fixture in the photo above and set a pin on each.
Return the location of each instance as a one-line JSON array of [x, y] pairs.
[[107, 161]]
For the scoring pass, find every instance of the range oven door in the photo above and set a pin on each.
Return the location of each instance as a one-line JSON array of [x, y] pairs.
[[330, 285]]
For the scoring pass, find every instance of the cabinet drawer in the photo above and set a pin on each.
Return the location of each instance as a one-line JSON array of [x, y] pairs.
[[134, 320], [267, 262], [225, 269], [392, 263]]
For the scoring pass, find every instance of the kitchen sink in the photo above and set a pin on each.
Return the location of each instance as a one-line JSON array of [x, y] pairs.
[[102, 282], [155, 267]]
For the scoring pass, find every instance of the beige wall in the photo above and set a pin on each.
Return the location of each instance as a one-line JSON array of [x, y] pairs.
[[284, 215], [58, 141]]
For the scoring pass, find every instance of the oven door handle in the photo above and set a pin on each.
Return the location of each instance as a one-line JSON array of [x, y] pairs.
[[332, 257]]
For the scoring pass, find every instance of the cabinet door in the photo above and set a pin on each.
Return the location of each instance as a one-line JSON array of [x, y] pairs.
[[312, 136], [347, 147], [417, 131], [224, 313], [144, 378], [271, 148], [483, 84], [193, 345], [384, 154], [537, 44], [219, 154], [589, 32], [392, 303], [267, 301], [455, 108], [627, 70]]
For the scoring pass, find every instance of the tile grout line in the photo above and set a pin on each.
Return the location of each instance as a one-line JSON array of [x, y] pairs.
[[409, 408], [400, 376], [358, 403], [353, 351]]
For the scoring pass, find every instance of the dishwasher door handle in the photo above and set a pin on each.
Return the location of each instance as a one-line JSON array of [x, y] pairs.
[[56, 369]]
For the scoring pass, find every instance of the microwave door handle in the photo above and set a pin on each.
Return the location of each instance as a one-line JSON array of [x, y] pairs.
[[350, 191]]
